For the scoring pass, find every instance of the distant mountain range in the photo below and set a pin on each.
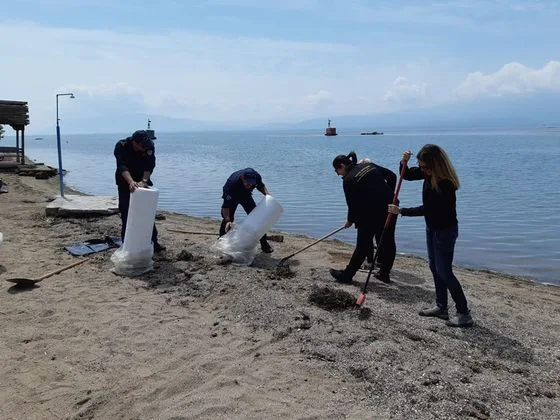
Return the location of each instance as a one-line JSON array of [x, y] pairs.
[[533, 111], [127, 123], [497, 112]]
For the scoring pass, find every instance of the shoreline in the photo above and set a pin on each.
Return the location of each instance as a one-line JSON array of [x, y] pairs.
[[198, 339], [474, 269], [540, 266]]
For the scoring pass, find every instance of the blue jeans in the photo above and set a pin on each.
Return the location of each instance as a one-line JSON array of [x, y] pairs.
[[441, 246]]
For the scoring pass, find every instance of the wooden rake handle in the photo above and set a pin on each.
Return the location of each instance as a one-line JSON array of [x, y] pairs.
[[192, 232], [311, 244]]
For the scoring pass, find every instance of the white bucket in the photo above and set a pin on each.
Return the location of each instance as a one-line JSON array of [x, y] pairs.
[[135, 255], [241, 242]]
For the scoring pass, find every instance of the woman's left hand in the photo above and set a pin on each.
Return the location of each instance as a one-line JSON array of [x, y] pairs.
[[394, 209], [348, 224]]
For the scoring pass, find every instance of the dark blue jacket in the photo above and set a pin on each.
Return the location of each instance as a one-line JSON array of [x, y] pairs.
[[234, 190], [133, 162]]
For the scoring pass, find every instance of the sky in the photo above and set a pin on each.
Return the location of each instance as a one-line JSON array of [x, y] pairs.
[[256, 61]]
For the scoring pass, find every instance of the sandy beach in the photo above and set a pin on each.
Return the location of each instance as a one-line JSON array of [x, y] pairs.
[[196, 338]]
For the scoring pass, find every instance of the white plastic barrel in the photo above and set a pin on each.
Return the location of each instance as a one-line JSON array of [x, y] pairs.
[[140, 222], [263, 217], [241, 242], [135, 255]]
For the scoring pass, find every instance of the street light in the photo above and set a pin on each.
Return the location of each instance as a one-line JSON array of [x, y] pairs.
[[60, 176]]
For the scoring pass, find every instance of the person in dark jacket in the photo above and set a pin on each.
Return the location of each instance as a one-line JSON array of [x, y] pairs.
[[368, 189], [136, 161], [238, 189], [439, 210]]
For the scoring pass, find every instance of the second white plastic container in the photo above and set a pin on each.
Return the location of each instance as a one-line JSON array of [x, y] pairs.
[[241, 242]]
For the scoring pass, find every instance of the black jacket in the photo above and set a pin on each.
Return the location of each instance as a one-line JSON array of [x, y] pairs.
[[368, 189], [133, 162], [438, 207]]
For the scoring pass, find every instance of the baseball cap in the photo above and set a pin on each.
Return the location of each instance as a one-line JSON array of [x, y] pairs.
[[250, 178], [141, 137]]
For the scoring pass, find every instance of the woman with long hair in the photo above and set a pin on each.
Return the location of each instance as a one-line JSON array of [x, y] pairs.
[[442, 229], [368, 189]]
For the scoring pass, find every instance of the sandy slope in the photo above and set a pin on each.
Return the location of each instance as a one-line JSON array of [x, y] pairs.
[[196, 339]]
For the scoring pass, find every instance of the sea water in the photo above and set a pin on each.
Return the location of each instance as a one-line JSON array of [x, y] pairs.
[[508, 204]]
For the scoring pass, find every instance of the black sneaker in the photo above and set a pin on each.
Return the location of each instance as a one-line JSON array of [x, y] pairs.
[[158, 247], [461, 321], [435, 312], [340, 276], [266, 248], [384, 277]]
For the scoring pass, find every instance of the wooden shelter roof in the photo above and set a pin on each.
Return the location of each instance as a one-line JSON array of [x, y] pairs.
[[14, 114]]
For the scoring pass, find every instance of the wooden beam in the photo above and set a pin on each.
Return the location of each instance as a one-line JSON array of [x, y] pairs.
[[3, 102]]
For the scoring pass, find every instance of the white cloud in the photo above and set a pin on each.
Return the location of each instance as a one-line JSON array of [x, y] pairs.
[[184, 74], [512, 79], [402, 91], [320, 102], [260, 4], [322, 96], [104, 99]]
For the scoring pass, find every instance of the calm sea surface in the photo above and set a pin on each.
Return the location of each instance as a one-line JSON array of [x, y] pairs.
[[508, 204]]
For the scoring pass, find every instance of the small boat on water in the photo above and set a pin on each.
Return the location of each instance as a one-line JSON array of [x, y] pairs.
[[38, 138], [330, 131], [372, 133]]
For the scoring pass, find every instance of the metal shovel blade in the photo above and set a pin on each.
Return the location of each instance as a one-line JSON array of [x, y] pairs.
[[23, 282], [26, 282]]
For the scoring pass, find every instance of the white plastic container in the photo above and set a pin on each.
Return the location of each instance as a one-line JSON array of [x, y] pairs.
[[241, 242], [135, 255]]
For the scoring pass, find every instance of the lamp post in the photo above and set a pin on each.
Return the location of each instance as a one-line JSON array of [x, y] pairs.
[[60, 175]]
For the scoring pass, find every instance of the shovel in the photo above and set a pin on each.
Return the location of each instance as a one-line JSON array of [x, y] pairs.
[[188, 232], [24, 282], [283, 260]]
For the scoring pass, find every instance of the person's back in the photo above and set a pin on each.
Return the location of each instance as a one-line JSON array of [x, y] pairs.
[[367, 190]]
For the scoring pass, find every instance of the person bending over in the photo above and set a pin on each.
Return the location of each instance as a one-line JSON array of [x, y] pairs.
[[368, 189], [238, 189]]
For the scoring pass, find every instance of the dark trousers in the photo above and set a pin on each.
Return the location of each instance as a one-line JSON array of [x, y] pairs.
[[441, 247], [364, 247], [248, 204], [124, 203]]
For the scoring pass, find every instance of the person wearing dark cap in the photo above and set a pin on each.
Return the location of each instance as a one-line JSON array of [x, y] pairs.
[[136, 161], [238, 189]]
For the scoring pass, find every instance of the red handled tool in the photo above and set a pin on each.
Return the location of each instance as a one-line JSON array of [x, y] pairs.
[[361, 299]]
